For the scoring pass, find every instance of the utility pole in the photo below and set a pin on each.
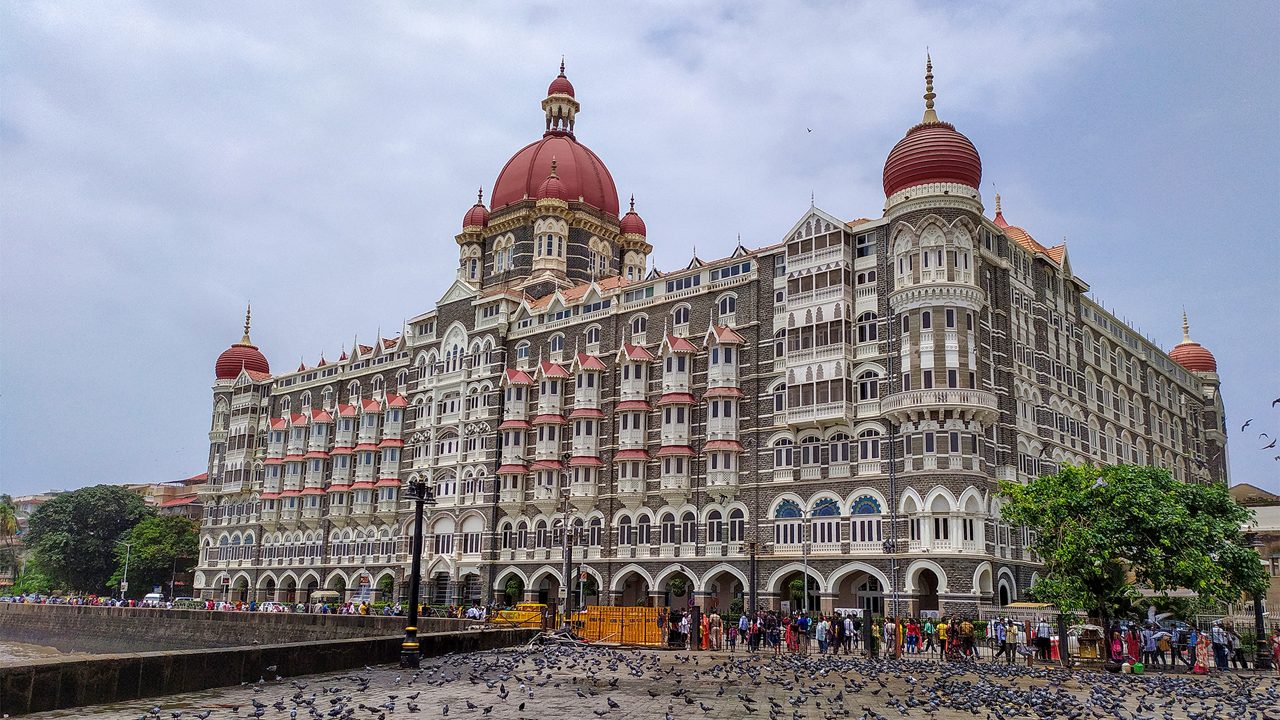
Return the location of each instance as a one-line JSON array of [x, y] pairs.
[[567, 548], [891, 546], [124, 583]]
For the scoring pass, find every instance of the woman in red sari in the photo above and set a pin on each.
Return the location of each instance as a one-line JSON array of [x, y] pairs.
[[706, 632], [1132, 646]]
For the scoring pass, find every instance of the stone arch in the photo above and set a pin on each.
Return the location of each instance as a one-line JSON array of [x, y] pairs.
[[916, 504], [721, 568], [983, 583], [971, 501], [620, 576], [848, 568], [913, 572], [675, 569], [940, 493], [775, 579], [541, 573]]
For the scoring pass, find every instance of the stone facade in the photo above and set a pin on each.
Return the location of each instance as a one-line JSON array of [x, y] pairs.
[[839, 405]]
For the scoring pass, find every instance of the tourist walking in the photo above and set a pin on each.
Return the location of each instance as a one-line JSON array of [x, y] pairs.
[[1204, 650], [1218, 639]]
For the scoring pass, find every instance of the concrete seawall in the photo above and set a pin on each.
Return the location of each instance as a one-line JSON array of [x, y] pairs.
[[58, 684], [78, 628]]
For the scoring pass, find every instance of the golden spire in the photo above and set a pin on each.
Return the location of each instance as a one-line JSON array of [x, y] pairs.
[[929, 115], [1186, 327], [248, 311]]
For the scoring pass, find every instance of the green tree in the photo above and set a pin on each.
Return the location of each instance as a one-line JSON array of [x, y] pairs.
[[73, 536], [8, 535], [1098, 530], [161, 546], [32, 580], [514, 590]]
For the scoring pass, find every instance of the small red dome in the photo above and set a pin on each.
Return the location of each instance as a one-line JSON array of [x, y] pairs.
[[561, 85], [240, 355], [932, 152], [1194, 357], [477, 216], [552, 188], [632, 223]]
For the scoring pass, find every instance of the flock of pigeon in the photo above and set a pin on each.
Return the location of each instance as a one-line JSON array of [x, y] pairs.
[[565, 682]]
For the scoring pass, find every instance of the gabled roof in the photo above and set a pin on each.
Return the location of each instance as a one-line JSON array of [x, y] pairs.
[[518, 377], [278, 423], [552, 370], [589, 362], [371, 406], [396, 401], [320, 415], [634, 352], [678, 344], [347, 411], [256, 376], [725, 335]]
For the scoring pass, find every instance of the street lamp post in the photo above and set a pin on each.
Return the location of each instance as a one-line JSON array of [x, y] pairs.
[[409, 654], [124, 582], [1262, 659], [806, 533], [567, 548]]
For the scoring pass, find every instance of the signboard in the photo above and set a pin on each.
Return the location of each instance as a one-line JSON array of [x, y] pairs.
[[226, 580], [855, 612], [786, 606], [931, 614], [124, 586]]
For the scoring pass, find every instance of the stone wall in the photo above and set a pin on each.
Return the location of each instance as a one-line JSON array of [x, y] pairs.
[[73, 628], [58, 684]]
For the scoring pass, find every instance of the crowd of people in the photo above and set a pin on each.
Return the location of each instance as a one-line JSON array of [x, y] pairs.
[[1218, 648]]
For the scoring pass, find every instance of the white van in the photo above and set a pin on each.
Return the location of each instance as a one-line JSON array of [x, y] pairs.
[[153, 600]]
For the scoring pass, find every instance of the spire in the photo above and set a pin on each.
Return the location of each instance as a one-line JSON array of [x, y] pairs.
[[1186, 327], [633, 202], [480, 196], [248, 313], [997, 203], [929, 115], [561, 66], [553, 168]]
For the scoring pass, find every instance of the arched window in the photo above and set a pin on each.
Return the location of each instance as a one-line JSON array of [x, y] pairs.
[[780, 343], [522, 351], [737, 525], [727, 306], [780, 398], [787, 527], [668, 525], [869, 445], [826, 521], [639, 324], [644, 529], [595, 531], [868, 385], [688, 527], [593, 335], [839, 448], [715, 526], [626, 532], [867, 327], [783, 453], [810, 451], [557, 343], [864, 527], [680, 316]]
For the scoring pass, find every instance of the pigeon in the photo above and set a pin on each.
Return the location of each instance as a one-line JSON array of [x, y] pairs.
[[1246, 423], [1268, 447]]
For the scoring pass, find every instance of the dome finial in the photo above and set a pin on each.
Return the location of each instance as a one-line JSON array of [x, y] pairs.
[[633, 202], [561, 66], [248, 314], [480, 196], [1186, 327], [553, 168], [929, 115], [997, 203]]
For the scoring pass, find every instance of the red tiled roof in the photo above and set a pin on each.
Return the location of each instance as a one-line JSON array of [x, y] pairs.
[[338, 486], [585, 413], [397, 401], [312, 491], [299, 419], [257, 376], [729, 445], [518, 377], [366, 446], [291, 493], [321, 416], [269, 496], [585, 461], [390, 443], [630, 455], [549, 419], [675, 450], [347, 410], [183, 500], [514, 425], [552, 370], [196, 479], [680, 345], [719, 392], [294, 457], [341, 451], [371, 406], [512, 469], [277, 423], [633, 405], [388, 482], [273, 461], [362, 485], [636, 352], [316, 455], [548, 465], [727, 335], [590, 362], [676, 398]]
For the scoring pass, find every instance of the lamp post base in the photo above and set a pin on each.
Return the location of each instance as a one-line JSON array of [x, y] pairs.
[[410, 657]]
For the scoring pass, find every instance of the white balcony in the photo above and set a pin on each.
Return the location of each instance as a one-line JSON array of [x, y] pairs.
[[838, 411], [838, 470], [724, 482], [674, 488], [870, 467], [825, 256], [811, 472], [912, 405], [631, 439]]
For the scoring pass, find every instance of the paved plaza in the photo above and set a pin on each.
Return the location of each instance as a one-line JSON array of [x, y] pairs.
[[546, 683]]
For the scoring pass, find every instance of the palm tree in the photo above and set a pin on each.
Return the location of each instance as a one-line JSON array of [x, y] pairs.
[[8, 534]]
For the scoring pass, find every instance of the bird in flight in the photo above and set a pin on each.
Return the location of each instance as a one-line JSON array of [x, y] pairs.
[[1268, 447], [1246, 424]]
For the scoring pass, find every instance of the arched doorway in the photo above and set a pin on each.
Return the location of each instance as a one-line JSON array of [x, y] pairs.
[[860, 591], [677, 590], [800, 592], [635, 590], [269, 590], [1004, 594], [312, 586], [549, 590], [927, 589], [240, 590], [439, 591], [724, 592]]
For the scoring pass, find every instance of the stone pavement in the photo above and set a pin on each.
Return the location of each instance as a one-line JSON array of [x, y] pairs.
[[548, 683]]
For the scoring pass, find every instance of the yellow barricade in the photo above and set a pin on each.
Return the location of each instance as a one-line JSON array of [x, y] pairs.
[[621, 625]]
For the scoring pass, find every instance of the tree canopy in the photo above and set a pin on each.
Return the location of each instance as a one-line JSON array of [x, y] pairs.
[[161, 546], [1098, 530], [74, 535]]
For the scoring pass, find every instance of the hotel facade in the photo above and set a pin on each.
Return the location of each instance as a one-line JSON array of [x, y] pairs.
[[839, 405]]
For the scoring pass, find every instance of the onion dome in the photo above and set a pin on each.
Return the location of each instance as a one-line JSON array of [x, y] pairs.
[[931, 152], [478, 215], [552, 188], [243, 355], [561, 85], [1192, 355], [582, 174], [632, 223]]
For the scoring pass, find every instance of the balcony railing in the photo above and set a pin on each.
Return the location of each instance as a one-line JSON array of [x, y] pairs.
[[906, 406]]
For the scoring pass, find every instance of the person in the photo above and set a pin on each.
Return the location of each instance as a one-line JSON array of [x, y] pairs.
[[1024, 645], [821, 632], [942, 630], [733, 637], [1164, 643], [774, 635], [1204, 649], [717, 630], [1192, 639], [913, 637], [928, 634], [1236, 646], [1043, 643], [1149, 645], [1000, 631], [890, 637], [803, 631], [1133, 645], [1274, 645], [743, 623], [850, 634], [705, 625], [1176, 640], [1117, 647], [966, 637], [1218, 640]]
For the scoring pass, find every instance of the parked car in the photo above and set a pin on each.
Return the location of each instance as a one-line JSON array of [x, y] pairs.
[[154, 599], [272, 607]]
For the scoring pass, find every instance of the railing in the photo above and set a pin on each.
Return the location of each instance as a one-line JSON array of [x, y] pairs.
[[940, 397], [823, 411], [826, 352], [817, 257]]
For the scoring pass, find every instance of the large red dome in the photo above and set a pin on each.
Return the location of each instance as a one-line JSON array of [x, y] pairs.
[[1194, 357], [581, 172], [932, 152], [240, 355]]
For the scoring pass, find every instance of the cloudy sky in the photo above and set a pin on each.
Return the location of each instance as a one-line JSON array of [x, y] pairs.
[[163, 163]]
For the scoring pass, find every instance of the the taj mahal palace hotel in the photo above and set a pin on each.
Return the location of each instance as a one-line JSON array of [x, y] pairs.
[[720, 429]]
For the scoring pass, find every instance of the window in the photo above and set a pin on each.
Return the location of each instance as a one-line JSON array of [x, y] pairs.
[[838, 448], [865, 246], [639, 324], [951, 318], [737, 524], [928, 379], [868, 386], [557, 343], [867, 327], [783, 453], [680, 316], [684, 283], [926, 320], [780, 398], [869, 445], [593, 335], [727, 305], [715, 526], [522, 351]]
